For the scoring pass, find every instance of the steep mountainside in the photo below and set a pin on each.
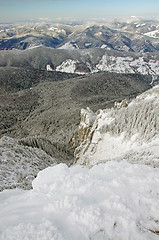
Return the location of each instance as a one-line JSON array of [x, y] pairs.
[[46, 114], [129, 131], [19, 164]]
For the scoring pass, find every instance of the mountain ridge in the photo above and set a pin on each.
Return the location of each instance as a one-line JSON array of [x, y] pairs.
[[82, 61], [137, 36]]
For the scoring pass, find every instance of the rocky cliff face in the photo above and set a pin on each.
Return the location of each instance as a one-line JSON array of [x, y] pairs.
[[127, 131]]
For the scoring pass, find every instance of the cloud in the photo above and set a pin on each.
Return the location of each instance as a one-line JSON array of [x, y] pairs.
[[43, 19]]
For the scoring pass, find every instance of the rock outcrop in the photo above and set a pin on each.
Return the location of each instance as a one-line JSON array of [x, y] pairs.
[[121, 132]]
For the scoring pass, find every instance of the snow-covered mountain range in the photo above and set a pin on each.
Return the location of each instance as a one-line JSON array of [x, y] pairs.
[[137, 35], [127, 46]]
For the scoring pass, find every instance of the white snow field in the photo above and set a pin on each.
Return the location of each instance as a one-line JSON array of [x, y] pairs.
[[113, 199]]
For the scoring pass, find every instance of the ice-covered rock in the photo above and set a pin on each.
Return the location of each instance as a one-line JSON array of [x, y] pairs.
[[87, 120], [130, 132]]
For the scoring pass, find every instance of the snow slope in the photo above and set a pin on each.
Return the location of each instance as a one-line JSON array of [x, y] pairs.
[[109, 201], [68, 66], [123, 132], [153, 34], [20, 164], [128, 65], [117, 64], [69, 46]]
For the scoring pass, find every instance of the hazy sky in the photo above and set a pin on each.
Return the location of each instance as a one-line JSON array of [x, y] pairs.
[[11, 10]]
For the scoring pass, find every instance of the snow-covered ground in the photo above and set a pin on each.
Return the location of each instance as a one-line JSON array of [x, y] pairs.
[[117, 201], [48, 68], [58, 30], [110, 200], [33, 46]]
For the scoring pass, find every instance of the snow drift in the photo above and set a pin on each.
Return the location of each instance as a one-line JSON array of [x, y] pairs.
[[109, 201]]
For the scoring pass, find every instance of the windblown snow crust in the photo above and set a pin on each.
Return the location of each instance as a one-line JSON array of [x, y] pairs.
[[129, 132], [109, 201]]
